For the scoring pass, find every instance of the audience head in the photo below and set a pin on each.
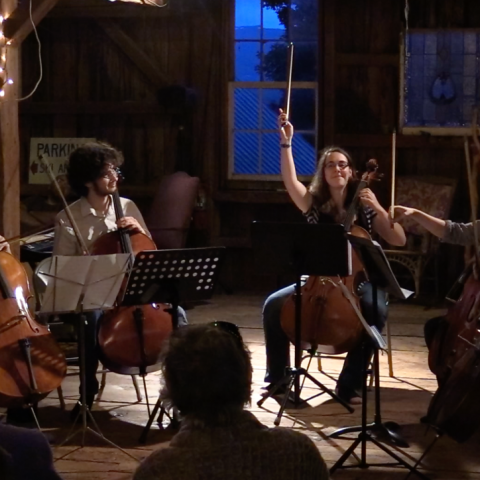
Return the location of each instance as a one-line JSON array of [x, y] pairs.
[[207, 372]]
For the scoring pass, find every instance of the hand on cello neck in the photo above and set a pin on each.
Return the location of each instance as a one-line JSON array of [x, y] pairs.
[[130, 224]]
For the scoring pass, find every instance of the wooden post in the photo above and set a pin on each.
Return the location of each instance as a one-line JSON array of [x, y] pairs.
[[329, 73], [9, 140]]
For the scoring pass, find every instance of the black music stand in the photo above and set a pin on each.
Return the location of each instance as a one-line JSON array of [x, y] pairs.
[[301, 249], [380, 275], [168, 276], [79, 285]]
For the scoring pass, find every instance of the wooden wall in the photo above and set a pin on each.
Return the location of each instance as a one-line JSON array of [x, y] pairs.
[[105, 63]]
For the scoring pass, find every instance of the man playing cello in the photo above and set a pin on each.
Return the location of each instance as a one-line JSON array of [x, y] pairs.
[[92, 174]]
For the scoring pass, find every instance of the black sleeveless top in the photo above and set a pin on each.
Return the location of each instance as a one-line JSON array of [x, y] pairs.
[[321, 214]]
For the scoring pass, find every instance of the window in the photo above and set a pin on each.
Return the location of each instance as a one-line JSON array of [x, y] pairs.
[[263, 30]]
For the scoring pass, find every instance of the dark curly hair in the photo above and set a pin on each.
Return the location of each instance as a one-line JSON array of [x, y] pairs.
[[207, 373], [319, 186], [87, 162]]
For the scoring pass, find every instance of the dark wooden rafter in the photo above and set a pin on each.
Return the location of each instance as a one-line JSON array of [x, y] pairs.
[[19, 25], [134, 53]]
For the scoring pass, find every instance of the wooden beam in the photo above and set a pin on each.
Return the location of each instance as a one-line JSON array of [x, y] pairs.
[[104, 9], [368, 59], [329, 71], [134, 53], [403, 141], [93, 108], [19, 24], [9, 142]]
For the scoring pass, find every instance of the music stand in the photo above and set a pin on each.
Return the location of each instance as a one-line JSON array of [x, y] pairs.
[[168, 276], [301, 249], [380, 275], [79, 285]]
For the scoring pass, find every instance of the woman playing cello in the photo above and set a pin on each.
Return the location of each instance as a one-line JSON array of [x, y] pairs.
[[326, 200]]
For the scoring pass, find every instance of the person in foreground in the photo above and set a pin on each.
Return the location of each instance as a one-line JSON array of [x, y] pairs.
[[327, 200], [208, 378], [25, 455]]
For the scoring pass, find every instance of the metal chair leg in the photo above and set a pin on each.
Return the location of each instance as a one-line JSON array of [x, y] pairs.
[[137, 388]]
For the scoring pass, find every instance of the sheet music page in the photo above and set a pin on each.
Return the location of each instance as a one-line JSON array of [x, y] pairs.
[[98, 278], [65, 283], [106, 275]]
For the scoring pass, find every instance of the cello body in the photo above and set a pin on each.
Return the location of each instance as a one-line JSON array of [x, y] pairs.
[[455, 358], [131, 338], [329, 322], [31, 362]]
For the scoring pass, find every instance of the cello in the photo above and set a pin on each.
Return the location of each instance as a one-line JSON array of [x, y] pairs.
[[131, 338], [31, 362], [331, 318], [454, 355]]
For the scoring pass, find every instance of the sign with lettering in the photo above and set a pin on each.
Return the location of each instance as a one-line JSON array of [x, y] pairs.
[[56, 152]]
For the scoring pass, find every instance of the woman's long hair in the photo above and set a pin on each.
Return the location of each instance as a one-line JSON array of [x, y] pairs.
[[319, 187]]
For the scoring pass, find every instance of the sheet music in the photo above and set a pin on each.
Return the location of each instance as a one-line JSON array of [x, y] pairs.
[[95, 279], [371, 251]]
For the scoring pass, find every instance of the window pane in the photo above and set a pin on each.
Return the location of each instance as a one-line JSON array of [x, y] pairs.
[[273, 29], [275, 61], [272, 100], [246, 153], [246, 109], [247, 19], [247, 61], [303, 21], [270, 154], [304, 153]]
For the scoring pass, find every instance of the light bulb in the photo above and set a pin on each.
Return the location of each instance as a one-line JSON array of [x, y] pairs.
[[2, 93], [10, 81]]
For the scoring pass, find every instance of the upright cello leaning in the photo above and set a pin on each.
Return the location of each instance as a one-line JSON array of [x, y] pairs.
[[31, 362]]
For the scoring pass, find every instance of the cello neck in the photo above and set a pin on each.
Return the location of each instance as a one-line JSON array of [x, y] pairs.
[[352, 209], [124, 236]]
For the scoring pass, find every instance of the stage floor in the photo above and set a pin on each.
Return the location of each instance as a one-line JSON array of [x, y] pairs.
[[405, 398]]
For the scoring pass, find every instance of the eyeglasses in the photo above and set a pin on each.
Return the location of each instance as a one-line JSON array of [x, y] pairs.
[[112, 173], [341, 165]]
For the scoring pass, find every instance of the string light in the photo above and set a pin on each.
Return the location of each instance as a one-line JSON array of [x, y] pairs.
[[152, 3], [4, 79]]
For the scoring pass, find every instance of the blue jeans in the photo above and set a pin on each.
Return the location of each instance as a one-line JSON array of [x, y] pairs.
[[91, 345], [278, 346]]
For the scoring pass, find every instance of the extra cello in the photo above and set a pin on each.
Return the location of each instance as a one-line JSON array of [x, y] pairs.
[[31, 362]]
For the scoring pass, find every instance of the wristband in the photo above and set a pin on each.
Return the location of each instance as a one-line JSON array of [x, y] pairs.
[[285, 145]]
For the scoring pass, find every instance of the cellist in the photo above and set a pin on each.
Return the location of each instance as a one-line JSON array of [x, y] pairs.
[[448, 232], [326, 200], [92, 174]]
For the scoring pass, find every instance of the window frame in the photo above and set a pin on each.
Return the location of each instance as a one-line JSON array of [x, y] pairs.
[[231, 124]]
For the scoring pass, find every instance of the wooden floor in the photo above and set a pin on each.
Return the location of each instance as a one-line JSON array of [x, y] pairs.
[[405, 398]]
